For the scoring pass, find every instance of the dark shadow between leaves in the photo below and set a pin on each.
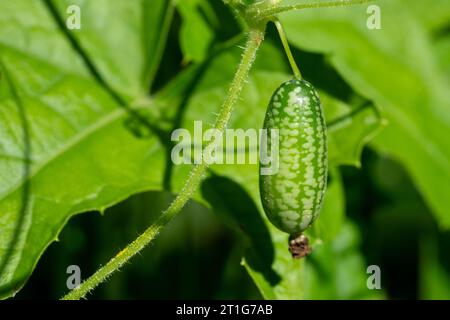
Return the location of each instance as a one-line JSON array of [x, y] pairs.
[[230, 200]]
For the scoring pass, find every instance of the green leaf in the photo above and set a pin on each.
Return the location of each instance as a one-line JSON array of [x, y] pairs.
[[350, 128], [66, 146], [395, 68], [195, 34]]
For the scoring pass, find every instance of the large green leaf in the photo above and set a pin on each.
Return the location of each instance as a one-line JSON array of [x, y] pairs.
[[395, 68], [64, 147]]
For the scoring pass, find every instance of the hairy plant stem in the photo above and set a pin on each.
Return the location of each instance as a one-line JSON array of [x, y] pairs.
[[256, 36], [271, 11]]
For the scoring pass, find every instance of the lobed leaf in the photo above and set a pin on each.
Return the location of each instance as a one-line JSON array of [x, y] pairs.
[[65, 145]]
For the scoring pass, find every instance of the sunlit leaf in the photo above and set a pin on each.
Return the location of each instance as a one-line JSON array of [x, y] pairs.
[[65, 146]]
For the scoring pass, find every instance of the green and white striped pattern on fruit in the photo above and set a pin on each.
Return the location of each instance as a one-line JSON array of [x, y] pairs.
[[292, 197]]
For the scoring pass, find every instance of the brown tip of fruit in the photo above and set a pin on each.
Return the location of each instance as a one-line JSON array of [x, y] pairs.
[[299, 246]]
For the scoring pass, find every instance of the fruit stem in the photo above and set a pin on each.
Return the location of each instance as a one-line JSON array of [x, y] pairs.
[[287, 49], [255, 38]]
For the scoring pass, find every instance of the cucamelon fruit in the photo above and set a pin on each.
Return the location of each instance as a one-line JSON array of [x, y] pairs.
[[292, 196]]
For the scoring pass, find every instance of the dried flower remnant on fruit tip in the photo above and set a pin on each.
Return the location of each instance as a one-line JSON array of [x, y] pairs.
[[299, 246]]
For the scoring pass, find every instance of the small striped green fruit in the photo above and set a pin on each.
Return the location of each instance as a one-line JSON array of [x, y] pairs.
[[292, 197]]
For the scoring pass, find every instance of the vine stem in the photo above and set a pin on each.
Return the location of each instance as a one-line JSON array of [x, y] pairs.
[[287, 49], [255, 37], [271, 11]]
